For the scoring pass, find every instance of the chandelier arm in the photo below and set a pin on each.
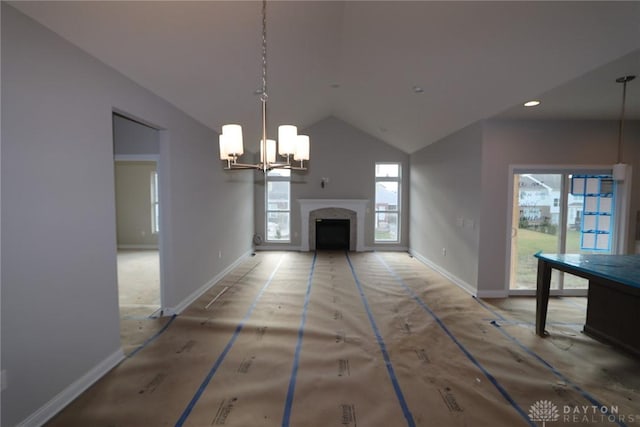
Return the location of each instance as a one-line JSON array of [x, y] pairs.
[[235, 166], [260, 166]]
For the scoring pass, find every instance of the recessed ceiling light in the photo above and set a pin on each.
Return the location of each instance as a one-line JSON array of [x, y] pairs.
[[417, 89], [532, 103]]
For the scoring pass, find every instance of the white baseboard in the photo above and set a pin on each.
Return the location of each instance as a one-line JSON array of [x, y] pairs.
[[140, 247], [493, 294], [380, 248], [387, 248], [170, 311], [456, 280], [553, 293], [66, 396], [278, 248]]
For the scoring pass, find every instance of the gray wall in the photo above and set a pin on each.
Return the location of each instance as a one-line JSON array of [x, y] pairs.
[[347, 156], [537, 142], [459, 189], [631, 156], [60, 314], [445, 204]]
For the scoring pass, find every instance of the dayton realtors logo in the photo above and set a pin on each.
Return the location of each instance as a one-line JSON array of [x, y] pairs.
[[546, 411]]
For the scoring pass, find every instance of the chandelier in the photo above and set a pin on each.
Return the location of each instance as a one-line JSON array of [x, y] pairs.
[[292, 148]]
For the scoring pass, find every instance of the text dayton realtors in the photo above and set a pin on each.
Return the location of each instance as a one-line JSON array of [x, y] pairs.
[[594, 414]]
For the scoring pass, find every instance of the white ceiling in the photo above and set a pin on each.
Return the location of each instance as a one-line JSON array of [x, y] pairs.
[[359, 60]]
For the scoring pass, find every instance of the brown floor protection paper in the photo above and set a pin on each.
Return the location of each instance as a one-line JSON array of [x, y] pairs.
[[360, 339]]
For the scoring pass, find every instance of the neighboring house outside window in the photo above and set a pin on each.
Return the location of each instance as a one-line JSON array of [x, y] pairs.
[[387, 202], [278, 205]]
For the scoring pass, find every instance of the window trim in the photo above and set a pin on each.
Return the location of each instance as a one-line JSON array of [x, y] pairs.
[[621, 221], [155, 203], [397, 211], [277, 178]]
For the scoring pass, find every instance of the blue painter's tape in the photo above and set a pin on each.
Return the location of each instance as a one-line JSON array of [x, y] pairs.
[[232, 340], [525, 323], [462, 348], [489, 309], [152, 338], [383, 349], [294, 371], [584, 393]]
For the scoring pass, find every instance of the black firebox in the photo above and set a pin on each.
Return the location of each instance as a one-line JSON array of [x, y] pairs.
[[332, 234]]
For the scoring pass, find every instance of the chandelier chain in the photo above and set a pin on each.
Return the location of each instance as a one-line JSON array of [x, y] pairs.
[[263, 95]]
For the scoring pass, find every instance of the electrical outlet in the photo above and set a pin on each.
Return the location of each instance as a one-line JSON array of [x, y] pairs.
[[444, 251], [219, 254]]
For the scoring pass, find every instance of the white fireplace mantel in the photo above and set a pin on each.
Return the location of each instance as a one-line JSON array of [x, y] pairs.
[[359, 206]]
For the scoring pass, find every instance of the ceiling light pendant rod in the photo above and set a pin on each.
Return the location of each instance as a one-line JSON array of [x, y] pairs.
[[263, 94], [624, 80]]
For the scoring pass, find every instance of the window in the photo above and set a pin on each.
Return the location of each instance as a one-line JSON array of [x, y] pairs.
[[387, 209], [155, 205], [278, 204], [574, 213], [597, 193]]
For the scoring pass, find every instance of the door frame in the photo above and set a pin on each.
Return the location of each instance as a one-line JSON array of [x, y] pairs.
[[621, 219], [156, 159]]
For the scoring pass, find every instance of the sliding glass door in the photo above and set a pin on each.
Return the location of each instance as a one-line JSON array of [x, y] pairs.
[[562, 212]]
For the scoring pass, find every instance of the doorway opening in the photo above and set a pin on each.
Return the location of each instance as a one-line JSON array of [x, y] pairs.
[[137, 171], [568, 211], [138, 253]]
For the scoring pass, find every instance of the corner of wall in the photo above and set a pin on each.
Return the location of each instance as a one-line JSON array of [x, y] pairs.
[[455, 280], [180, 307]]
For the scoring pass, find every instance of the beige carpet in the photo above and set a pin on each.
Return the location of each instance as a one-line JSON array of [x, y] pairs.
[[368, 339], [138, 283], [138, 297]]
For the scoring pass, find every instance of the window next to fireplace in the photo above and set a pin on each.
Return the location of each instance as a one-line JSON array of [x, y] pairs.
[[332, 234]]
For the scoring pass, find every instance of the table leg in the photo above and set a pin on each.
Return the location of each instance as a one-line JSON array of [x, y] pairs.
[[542, 295]]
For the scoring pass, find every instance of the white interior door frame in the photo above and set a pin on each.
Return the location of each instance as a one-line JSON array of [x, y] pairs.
[[156, 159]]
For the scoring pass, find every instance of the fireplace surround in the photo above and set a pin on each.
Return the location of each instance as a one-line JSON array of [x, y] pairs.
[[352, 209]]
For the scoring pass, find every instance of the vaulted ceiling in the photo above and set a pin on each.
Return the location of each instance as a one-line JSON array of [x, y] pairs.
[[360, 61]]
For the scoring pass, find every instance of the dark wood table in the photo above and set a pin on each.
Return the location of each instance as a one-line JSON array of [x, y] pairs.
[[613, 302]]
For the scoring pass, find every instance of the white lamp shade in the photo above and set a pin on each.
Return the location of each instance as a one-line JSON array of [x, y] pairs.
[[233, 139], [224, 153], [287, 139], [302, 148], [271, 151]]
